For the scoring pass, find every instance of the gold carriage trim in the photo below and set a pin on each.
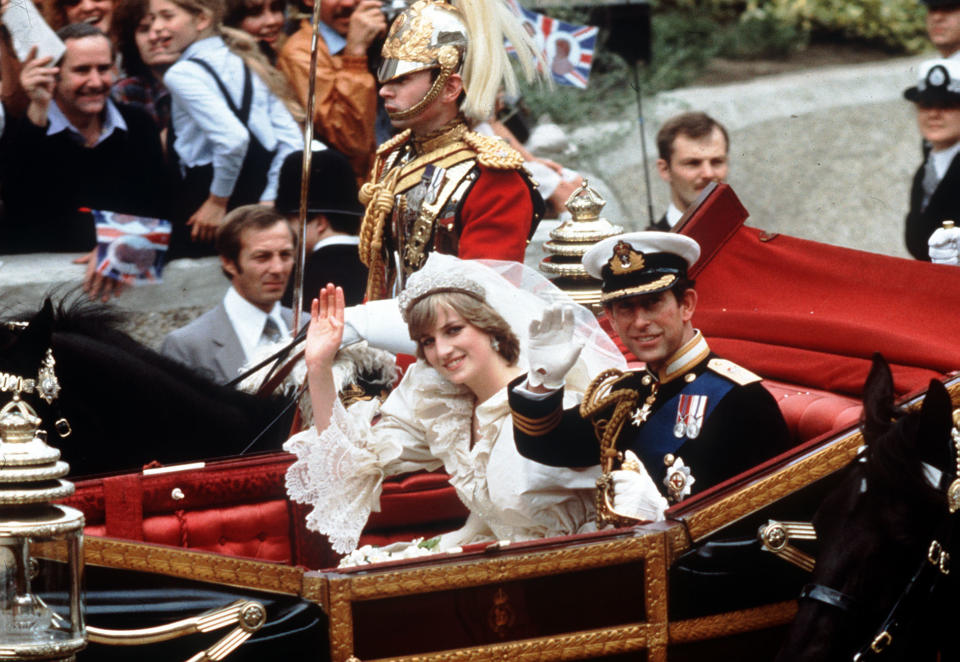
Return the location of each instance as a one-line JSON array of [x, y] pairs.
[[662, 282], [494, 153], [537, 427]]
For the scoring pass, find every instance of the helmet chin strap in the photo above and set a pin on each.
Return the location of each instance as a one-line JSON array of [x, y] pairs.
[[448, 58]]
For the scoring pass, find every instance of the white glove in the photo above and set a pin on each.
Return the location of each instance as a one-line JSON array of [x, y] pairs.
[[380, 324], [552, 351], [943, 245], [634, 493]]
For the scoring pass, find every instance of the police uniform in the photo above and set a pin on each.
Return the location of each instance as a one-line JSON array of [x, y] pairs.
[[451, 190], [933, 199], [697, 422]]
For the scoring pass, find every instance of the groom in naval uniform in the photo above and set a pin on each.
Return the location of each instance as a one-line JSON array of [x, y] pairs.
[[256, 247], [693, 418]]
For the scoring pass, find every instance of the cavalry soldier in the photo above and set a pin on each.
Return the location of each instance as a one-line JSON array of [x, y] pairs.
[[437, 185], [693, 418]]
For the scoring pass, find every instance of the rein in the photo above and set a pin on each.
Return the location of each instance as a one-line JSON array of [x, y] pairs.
[[933, 568]]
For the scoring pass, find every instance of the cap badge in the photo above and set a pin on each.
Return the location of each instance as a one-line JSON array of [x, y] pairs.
[[625, 260], [937, 76]]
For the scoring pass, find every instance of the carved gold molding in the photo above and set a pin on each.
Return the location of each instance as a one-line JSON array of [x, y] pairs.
[[733, 622], [185, 564]]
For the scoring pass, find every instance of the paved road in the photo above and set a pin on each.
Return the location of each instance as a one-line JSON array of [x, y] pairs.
[[824, 154]]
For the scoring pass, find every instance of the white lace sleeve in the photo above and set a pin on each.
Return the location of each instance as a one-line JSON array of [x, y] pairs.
[[340, 478]]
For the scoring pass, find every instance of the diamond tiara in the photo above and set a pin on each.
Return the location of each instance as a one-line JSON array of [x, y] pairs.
[[422, 284]]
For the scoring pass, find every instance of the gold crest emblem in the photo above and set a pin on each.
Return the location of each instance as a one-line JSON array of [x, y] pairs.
[[625, 260]]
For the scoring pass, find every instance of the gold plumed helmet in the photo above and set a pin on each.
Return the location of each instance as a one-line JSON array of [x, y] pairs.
[[460, 36], [430, 34]]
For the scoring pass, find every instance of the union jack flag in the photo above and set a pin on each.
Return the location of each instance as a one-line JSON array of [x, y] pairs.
[[567, 48]]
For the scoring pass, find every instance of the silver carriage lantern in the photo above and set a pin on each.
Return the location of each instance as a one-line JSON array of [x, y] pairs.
[[31, 627]]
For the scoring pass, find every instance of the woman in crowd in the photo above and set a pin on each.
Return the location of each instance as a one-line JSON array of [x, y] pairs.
[[261, 19], [232, 129], [470, 321], [144, 62], [59, 13]]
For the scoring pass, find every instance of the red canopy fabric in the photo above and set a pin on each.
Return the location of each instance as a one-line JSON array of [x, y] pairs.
[[813, 314]]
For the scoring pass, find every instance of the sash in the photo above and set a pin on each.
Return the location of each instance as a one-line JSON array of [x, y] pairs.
[[655, 438]]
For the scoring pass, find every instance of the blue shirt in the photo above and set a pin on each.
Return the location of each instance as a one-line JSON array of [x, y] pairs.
[[112, 121], [206, 129]]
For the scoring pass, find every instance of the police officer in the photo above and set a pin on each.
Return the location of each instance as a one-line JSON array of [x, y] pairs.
[[693, 419]]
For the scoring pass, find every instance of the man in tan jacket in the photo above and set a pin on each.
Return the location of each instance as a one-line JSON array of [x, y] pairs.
[[346, 93]]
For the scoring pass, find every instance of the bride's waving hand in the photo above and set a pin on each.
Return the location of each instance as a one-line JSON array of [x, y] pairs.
[[323, 340]]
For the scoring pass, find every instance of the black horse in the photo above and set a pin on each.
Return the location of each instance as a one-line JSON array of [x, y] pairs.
[[125, 404], [880, 587]]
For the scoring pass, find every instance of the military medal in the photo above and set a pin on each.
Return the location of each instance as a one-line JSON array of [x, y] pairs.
[[690, 412], [678, 480], [640, 415]]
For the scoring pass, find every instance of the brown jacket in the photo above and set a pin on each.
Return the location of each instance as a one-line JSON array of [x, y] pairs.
[[345, 108]]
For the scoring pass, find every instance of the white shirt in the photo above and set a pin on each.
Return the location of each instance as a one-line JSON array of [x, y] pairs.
[[248, 320], [206, 129], [112, 121], [338, 240], [673, 215], [943, 158], [334, 40]]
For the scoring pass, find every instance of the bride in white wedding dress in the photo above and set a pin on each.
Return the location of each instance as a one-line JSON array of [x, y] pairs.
[[470, 321]]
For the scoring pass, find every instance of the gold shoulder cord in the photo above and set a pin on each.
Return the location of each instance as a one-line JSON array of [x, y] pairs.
[[624, 401], [595, 400], [377, 196]]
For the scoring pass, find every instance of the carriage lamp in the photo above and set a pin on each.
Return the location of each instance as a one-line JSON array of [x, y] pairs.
[[30, 480]]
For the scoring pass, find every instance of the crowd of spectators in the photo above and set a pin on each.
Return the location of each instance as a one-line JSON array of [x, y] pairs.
[[170, 109]]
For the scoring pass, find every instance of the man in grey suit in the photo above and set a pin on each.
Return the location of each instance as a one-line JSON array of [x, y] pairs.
[[256, 247]]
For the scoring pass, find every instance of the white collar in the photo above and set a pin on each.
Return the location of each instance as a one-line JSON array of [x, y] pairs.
[[248, 320], [112, 121], [690, 354], [943, 158], [673, 215], [337, 240]]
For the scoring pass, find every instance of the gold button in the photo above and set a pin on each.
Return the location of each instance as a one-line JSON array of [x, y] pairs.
[[689, 377]]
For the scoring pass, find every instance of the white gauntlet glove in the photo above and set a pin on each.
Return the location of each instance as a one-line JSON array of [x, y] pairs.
[[944, 245], [634, 493], [552, 351]]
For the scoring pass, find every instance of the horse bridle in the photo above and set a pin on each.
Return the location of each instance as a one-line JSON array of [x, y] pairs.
[[933, 568], [45, 385]]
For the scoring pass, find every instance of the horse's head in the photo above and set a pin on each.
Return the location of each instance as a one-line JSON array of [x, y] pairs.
[[24, 342], [875, 528]]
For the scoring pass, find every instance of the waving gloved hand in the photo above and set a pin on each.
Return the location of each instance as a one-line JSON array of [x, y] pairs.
[[634, 493], [552, 350]]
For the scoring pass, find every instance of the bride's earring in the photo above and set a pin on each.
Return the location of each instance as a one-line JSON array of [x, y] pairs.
[[495, 344]]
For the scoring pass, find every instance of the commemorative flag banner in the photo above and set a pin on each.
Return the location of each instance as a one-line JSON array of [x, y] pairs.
[[131, 249], [567, 48]]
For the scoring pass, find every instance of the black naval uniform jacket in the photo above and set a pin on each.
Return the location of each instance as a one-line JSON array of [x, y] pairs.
[[944, 205], [741, 428]]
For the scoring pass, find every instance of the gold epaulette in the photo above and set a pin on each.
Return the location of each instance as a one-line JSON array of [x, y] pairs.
[[735, 373], [493, 152], [391, 144]]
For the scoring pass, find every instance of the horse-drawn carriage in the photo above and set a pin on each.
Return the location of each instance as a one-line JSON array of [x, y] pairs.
[[703, 583]]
